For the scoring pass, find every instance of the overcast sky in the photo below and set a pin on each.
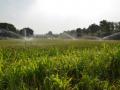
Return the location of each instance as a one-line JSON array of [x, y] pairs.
[[58, 15]]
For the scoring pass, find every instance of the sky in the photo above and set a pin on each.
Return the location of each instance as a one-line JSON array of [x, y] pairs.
[[58, 15]]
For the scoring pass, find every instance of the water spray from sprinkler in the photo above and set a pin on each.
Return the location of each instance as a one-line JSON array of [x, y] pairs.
[[25, 37]]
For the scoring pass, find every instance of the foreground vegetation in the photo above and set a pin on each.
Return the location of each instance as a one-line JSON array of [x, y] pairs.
[[60, 65]]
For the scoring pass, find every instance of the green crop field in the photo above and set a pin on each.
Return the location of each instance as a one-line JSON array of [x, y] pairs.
[[59, 65]]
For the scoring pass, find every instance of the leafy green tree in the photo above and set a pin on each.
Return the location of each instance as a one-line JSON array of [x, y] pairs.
[[79, 32], [111, 27], [50, 33], [27, 31], [8, 27], [93, 29], [105, 27], [8, 30], [117, 27]]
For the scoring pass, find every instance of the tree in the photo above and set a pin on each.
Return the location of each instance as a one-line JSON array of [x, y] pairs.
[[116, 27], [105, 27], [8, 30], [85, 31], [26, 32], [72, 33], [93, 29], [118, 30], [79, 32], [8, 27], [50, 33]]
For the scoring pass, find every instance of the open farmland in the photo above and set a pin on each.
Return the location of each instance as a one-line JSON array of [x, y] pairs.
[[59, 65]]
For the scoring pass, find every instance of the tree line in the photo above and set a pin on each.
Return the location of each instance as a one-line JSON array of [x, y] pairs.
[[9, 30], [105, 28]]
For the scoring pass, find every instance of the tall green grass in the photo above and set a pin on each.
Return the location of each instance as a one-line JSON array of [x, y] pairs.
[[61, 65]]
